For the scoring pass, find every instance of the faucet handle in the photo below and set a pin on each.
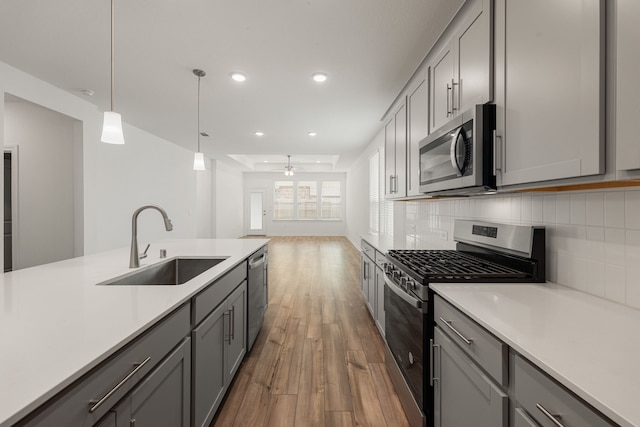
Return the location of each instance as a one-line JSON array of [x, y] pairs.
[[144, 254]]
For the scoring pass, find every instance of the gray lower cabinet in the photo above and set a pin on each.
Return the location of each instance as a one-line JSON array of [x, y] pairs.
[[463, 394], [219, 344], [544, 402], [109, 421], [163, 398]]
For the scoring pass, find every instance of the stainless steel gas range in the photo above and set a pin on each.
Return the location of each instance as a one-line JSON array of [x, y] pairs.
[[485, 253]]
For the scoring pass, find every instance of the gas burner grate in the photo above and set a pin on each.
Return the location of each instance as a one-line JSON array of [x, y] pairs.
[[450, 265]]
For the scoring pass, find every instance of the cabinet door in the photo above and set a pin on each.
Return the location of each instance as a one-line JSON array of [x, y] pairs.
[[209, 344], [380, 299], [474, 49], [628, 90], [417, 129], [442, 79], [523, 420], [366, 280], [389, 157], [237, 343], [164, 397], [372, 297], [550, 89], [463, 395], [401, 152], [110, 421]]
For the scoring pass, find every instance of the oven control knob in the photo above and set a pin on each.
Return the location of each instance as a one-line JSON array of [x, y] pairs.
[[403, 282]]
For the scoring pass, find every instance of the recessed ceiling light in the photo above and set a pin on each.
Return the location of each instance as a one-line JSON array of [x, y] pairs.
[[87, 92], [239, 77], [317, 161], [311, 133], [319, 77], [258, 133], [266, 161]]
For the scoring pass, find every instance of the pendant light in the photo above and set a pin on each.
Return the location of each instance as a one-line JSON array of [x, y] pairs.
[[288, 170], [198, 158], [112, 125]]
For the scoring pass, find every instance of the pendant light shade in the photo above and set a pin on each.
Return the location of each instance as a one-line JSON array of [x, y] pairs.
[[112, 128], [112, 125], [198, 157], [198, 162]]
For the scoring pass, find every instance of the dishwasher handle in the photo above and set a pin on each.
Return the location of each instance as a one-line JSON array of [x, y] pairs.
[[255, 262]]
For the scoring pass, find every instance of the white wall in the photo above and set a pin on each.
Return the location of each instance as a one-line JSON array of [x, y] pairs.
[[46, 215], [145, 170], [229, 202], [357, 218], [115, 180], [265, 180]]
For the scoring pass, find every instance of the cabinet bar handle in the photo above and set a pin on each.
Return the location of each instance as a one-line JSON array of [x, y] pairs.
[[132, 423], [453, 97], [95, 404], [466, 340], [233, 322], [432, 362], [449, 89], [227, 313], [553, 418]]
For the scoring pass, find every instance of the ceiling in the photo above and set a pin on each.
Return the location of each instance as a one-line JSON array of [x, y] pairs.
[[369, 49]]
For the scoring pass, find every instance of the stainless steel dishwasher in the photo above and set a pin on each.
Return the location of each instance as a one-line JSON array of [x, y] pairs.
[[257, 289]]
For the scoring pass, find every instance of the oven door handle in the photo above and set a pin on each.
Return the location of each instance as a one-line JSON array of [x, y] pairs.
[[415, 303]]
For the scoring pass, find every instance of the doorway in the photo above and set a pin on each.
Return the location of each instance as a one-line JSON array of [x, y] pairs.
[[10, 197], [256, 212]]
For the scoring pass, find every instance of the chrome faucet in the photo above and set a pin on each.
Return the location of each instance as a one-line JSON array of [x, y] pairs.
[[134, 259]]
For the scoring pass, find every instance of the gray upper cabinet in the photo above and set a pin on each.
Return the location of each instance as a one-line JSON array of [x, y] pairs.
[[417, 128], [628, 90], [462, 72], [395, 154], [549, 69]]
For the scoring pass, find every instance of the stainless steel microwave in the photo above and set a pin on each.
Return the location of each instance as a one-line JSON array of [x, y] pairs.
[[457, 159]]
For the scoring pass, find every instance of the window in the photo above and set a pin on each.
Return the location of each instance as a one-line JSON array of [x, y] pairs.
[[331, 200], [283, 200], [307, 200]]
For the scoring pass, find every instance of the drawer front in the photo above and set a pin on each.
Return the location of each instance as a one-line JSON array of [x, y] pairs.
[[537, 394], [215, 293], [380, 259], [523, 420], [479, 344], [71, 408], [368, 249]]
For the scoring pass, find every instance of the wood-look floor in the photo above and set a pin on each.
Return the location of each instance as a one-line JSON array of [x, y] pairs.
[[319, 359]]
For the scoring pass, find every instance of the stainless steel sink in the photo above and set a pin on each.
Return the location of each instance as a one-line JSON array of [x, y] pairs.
[[176, 271]]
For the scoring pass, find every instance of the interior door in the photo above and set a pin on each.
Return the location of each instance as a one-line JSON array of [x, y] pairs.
[[257, 212]]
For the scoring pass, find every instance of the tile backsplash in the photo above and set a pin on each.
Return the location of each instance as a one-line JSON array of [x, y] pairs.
[[593, 237]]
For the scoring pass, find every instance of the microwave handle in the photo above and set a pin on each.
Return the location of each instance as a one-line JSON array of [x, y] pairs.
[[497, 153], [452, 152]]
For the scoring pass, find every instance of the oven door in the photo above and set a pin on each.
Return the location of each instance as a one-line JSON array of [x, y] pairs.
[[406, 334]]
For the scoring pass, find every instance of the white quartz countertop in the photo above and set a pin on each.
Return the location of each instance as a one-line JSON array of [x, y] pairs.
[[590, 345], [56, 324]]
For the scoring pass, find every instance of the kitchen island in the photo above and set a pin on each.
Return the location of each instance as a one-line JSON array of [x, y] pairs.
[[57, 323]]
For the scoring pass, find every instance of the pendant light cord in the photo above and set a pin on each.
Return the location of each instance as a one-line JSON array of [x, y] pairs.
[[198, 114], [113, 21]]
